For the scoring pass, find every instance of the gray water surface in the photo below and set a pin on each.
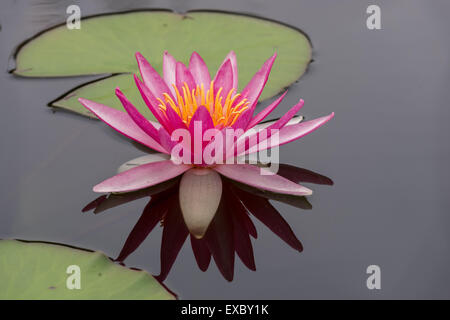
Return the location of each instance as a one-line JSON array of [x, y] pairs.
[[387, 151]]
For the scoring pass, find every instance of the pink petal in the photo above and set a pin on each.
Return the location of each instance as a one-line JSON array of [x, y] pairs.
[[151, 101], [293, 132], [151, 78], [254, 88], [148, 158], [296, 201], [202, 119], [183, 75], [169, 71], [165, 139], [232, 57], [280, 123], [121, 122], [224, 78], [202, 115], [117, 199], [258, 137], [137, 117], [252, 176], [219, 138], [174, 119], [263, 125], [243, 120], [295, 119], [143, 176], [199, 70], [263, 114]]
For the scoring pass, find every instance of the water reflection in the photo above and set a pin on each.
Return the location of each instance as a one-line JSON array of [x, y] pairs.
[[230, 231]]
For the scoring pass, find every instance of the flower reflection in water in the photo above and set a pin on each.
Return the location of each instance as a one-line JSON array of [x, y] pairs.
[[230, 230]]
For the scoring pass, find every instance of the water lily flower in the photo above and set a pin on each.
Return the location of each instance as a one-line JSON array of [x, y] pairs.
[[182, 98]]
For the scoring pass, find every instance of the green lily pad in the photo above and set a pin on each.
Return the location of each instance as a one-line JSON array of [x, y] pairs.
[[106, 44], [37, 270], [103, 91]]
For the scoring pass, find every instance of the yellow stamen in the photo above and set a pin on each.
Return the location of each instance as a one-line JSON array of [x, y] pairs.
[[202, 93], [224, 109]]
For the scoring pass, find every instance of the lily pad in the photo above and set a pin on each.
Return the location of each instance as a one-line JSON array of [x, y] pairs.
[[37, 270], [102, 91], [106, 44]]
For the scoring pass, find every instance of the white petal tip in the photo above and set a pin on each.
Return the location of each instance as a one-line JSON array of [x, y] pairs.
[[97, 189], [305, 191], [198, 234], [149, 158]]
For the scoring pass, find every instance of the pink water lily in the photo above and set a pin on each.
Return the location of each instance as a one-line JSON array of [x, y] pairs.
[[182, 98]]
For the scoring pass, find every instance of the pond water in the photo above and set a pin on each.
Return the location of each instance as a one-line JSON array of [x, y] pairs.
[[386, 150]]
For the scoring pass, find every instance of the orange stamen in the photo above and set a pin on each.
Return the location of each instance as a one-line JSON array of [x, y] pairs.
[[222, 108]]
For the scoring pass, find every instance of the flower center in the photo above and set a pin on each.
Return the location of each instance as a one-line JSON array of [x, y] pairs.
[[224, 110]]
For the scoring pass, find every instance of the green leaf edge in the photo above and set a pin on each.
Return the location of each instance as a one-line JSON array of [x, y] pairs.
[[59, 102], [98, 254], [22, 45]]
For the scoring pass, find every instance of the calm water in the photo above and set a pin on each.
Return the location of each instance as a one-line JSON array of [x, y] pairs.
[[387, 151]]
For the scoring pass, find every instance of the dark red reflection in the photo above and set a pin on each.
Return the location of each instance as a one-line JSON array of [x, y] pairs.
[[230, 231]]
